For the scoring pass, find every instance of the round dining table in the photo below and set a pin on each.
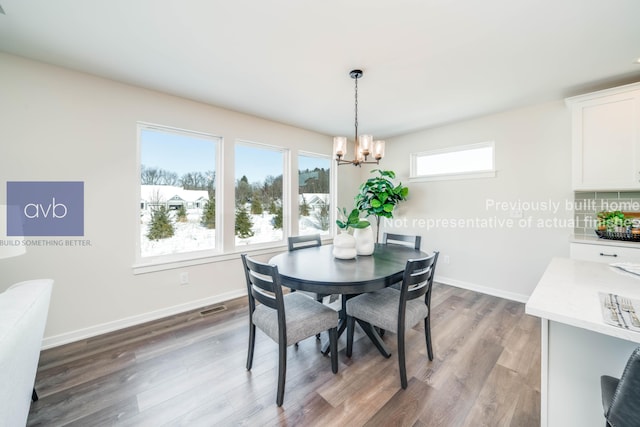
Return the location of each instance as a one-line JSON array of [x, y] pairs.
[[315, 269]]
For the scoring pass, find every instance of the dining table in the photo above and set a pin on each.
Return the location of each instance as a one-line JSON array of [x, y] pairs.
[[316, 270]]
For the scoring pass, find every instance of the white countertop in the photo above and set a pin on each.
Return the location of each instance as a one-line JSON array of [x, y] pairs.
[[605, 242], [568, 293]]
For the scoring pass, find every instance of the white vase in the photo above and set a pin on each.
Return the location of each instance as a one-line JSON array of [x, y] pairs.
[[344, 246], [364, 240]]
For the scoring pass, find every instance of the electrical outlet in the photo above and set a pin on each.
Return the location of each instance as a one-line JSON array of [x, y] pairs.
[[445, 259], [184, 278]]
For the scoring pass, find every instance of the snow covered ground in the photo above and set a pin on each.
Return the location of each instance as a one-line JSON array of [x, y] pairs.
[[191, 236]]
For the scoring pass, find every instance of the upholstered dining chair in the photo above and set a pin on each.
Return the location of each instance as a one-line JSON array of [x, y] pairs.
[[396, 310], [286, 319], [621, 397], [402, 239]]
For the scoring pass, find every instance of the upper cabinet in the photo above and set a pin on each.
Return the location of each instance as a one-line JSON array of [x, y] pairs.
[[606, 139]]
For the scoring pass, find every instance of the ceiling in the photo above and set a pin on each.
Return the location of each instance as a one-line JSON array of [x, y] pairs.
[[425, 62]]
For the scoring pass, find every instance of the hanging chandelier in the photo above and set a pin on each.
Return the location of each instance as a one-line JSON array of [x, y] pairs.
[[364, 144]]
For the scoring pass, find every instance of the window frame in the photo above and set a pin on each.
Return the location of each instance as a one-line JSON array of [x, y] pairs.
[[470, 174], [166, 261]]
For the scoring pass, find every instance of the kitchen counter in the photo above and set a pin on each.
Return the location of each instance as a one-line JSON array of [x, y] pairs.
[[568, 293], [577, 346]]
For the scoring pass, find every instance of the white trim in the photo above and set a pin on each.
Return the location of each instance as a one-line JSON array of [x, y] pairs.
[[92, 331], [482, 289], [544, 373], [206, 258]]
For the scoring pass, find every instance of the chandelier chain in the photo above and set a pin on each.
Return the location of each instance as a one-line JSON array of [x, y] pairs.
[[356, 109]]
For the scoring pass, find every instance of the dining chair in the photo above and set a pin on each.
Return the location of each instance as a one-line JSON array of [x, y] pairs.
[[401, 239], [396, 310], [621, 397], [286, 319], [305, 241]]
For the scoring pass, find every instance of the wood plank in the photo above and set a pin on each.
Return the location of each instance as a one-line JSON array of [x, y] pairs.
[[189, 370]]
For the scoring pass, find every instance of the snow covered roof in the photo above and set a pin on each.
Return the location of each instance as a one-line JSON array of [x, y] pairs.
[[163, 193]]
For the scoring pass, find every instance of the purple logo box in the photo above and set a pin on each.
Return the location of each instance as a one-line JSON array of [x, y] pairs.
[[47, 208]]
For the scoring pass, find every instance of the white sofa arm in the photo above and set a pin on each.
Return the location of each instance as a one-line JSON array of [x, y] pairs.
[[23, 315]]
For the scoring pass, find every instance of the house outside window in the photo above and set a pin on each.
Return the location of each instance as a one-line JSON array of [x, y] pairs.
[[314, 194]]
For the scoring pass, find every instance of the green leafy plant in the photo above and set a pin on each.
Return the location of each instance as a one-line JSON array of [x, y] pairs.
[[350, 220], [378, 196], [612, 219]]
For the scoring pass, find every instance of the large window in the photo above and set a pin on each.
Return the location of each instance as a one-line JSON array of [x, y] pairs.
[[468, 161], [260, 196], [314, 195], [177, 191]]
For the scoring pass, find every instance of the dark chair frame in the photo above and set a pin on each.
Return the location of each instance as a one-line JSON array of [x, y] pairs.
[[266, 288], [621, 397], [398, 238], [417, 281], [304, 241]]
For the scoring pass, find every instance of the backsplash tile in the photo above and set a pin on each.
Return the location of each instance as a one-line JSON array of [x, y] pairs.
[[587, 204]]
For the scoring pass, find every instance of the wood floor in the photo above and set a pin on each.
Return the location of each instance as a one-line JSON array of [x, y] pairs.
[[189, 370]]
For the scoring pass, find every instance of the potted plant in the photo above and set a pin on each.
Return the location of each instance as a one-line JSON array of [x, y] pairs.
[[378, 196], [344, 244]]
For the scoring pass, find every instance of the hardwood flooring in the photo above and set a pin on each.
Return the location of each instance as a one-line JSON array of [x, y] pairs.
[[189, 370]]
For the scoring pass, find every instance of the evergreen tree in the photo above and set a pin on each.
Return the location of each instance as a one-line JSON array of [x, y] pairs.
[[304, 207], [277, 219], [243, 223], [209, 214], [322, 216], [256, 206], [273, 209], [181, 215], [160, 226]]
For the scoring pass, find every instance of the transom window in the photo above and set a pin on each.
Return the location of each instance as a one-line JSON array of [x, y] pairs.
[[468, 161]]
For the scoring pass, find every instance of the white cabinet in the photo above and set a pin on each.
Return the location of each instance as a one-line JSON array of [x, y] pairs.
[[606, 139], [606, 253]]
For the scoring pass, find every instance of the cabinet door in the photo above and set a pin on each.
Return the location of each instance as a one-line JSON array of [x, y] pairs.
[[606, 146]]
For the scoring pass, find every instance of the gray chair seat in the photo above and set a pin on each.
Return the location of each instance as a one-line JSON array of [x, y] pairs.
[[380, 309], [304, 318]]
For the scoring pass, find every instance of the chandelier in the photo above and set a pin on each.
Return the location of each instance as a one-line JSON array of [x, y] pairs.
[[364, 144]]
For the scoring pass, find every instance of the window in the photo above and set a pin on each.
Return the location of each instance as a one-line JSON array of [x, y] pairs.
[[177, 191], [314, 195], [469, 161], [260, 196]]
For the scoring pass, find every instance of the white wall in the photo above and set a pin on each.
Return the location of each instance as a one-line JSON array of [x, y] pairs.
[[533, 149], [57, 124]]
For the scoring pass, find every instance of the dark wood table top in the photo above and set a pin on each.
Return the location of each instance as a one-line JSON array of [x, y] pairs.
[[316, 270]]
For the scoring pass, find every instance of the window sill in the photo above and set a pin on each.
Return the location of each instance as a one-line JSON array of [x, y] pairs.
[[145, 267], [447, 177]]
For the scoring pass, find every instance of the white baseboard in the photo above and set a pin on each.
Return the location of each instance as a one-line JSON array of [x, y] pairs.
[[80, 334], [482, 289]]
